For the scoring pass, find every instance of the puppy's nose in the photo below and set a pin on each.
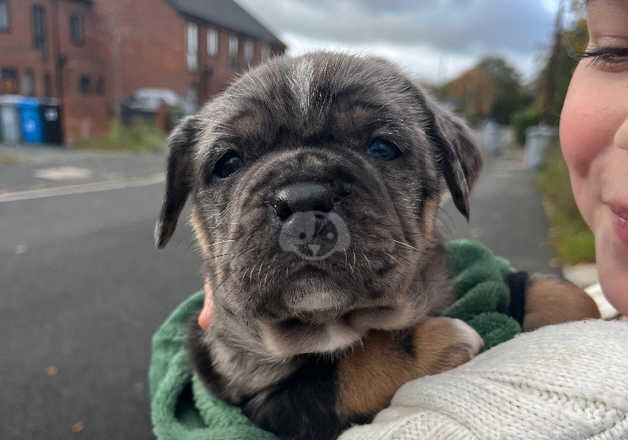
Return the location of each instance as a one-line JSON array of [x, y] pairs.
[[302, 197]]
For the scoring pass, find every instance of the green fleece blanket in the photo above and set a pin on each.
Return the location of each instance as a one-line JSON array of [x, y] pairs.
[[183, 409]]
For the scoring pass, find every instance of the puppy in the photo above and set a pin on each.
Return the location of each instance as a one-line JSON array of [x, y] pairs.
[[315, 183]]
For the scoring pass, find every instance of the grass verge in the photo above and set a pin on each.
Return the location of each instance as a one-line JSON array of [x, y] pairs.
[[6, 159], [571, 237], [139, 137]]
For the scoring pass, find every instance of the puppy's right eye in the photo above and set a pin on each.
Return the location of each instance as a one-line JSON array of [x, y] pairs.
[[228, 164], [383, 150]]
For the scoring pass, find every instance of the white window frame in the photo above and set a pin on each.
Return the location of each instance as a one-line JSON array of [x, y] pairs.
[[77, 29], [249, 52], [5, 21], [192, 45], [234, 42], [28, 83], [265, 52], [213, 42]]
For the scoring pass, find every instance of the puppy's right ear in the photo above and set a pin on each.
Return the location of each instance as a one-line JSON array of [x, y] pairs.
[[458, 154], [178, 178]]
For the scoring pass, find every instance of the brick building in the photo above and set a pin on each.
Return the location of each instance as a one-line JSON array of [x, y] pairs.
[[91, 54]]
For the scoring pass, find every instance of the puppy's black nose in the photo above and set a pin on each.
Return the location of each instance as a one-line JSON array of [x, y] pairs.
[[302, 197]]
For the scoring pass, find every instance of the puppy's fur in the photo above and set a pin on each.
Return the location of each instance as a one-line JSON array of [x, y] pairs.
[[282, 323]]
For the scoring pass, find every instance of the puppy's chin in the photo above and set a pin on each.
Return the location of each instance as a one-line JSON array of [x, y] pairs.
[[294, 337]]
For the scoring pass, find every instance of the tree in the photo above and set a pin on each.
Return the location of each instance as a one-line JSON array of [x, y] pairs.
[[509, 95], [553, 80], [491, 89]]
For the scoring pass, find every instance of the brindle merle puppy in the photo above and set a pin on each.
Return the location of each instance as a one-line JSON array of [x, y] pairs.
[[315, 183]]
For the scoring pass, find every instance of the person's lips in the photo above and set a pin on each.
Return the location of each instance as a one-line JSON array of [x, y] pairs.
[[620, 221]]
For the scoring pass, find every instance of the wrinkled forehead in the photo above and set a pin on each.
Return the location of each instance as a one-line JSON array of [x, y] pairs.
[[317, 99]]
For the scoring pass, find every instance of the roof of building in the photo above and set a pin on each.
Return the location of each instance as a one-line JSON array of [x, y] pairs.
[[227, 14]]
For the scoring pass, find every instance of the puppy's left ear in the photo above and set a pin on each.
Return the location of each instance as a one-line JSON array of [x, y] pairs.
[[458, 155], [178, 178]]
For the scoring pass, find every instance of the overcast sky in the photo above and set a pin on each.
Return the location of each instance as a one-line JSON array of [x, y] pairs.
[[432, 39]]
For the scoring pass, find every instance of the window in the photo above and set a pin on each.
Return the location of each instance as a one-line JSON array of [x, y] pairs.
[[85, 85], [4, 16], [191, 99], [100, 85], [77, 31], [28, 84], [265, 52], [212, 42], [192, 46], [8, 81], [39, 29], [233, 51], [47, 85], [249, 51]]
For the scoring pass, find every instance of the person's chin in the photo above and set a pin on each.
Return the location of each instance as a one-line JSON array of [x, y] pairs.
[[612, 263]]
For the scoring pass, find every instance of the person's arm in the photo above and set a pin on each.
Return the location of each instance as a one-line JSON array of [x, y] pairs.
[[565, 381]]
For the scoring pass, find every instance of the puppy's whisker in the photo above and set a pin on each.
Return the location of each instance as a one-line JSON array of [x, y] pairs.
[[211, 245], [406, 245], [392, 257]]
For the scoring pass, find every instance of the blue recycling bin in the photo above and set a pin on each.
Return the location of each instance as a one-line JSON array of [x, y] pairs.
[[31, 123]]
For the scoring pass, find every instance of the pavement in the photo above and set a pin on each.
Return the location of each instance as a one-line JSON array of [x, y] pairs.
[[82, 288], [506, 214], [39, 168]]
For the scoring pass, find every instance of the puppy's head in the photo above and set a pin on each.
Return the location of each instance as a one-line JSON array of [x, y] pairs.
[[315, 183]]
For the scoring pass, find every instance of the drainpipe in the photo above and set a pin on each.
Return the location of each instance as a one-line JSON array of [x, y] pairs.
[[58, 59]]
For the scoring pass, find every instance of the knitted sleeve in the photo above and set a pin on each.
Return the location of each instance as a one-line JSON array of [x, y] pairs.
[[560, 382]]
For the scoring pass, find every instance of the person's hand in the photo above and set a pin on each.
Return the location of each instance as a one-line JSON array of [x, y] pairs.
[[205, 317]]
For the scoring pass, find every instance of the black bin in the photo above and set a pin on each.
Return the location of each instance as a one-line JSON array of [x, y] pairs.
[[51, 117]]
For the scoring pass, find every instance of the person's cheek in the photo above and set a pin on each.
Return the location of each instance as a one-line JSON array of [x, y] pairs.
[[580, 141]]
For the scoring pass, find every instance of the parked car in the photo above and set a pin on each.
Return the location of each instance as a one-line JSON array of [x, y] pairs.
[[145, 104]]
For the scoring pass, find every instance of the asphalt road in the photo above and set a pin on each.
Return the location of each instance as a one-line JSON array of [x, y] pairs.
[[82, 290]]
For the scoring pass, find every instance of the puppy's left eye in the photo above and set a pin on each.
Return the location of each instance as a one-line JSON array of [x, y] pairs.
[[383, 150], [228, 164]]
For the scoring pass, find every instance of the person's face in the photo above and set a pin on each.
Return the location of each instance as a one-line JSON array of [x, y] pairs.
[[594, 139]]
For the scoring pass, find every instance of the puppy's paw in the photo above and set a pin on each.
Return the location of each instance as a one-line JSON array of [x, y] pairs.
[[551, 300], [445, 343], [369, 374]]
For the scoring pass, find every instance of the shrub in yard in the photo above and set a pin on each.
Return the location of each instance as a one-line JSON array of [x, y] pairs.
[[136, 137], [522, 120], [571, 237]]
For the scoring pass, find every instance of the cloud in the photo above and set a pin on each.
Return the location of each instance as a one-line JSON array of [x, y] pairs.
[[431, 37]]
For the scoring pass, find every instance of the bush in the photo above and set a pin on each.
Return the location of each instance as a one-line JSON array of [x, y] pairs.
[[137, 137], [571, 237], [522, 120]]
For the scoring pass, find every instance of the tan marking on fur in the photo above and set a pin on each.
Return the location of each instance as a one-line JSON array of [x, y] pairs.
[[369, 375], [352, 121], [199, 232], [553, 301], [430, 211]]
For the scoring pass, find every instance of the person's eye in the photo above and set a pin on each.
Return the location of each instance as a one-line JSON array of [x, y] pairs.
[[611, 59]]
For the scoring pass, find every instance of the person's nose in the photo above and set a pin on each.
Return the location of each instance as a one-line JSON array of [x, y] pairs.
[[621, 136]]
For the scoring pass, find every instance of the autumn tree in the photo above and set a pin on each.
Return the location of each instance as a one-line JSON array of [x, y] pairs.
[[491, 89]]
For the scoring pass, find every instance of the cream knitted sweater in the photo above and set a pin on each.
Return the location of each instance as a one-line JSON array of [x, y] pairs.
[[564, 382]]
